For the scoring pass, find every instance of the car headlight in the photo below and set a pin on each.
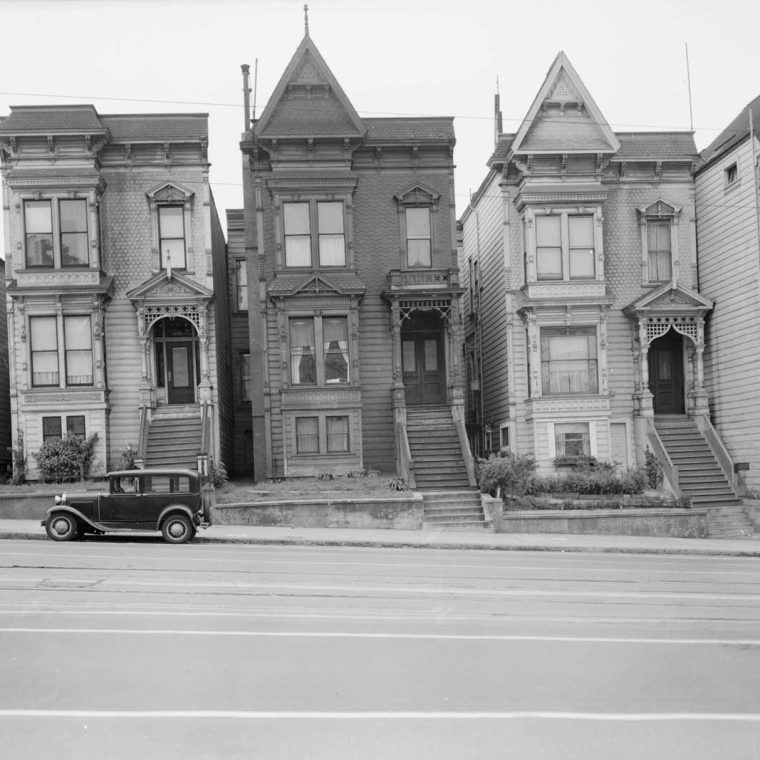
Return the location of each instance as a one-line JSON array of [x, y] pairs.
[[60, 499]]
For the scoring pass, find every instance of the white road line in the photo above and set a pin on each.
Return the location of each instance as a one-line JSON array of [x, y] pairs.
[[375, 635], [385, 715]]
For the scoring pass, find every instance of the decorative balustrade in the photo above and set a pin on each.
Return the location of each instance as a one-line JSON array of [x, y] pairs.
[[423, 279]]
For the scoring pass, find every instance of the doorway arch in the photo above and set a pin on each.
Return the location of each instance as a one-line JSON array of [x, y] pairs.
[[666, 373], [176, 357]]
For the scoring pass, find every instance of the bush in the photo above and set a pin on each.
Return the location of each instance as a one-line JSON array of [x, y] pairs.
[[219, 474], [396, 483], [594, 480], [18, 460], [128, 456], [66, 459], [653, 469], [509, 473]]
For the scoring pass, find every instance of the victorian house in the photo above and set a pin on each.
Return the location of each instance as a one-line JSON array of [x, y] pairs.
[[728, 246], [352, 286], [113, 250], [585, 322]]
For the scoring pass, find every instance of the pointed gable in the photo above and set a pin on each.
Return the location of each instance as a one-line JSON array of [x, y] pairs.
[[564, 117], [308, 101]]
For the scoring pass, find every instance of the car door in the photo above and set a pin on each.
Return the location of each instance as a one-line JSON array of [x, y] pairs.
[[121, 506]]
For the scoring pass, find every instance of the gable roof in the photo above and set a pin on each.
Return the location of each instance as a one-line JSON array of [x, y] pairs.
[[737, 131], [564, 117], [308, 101]]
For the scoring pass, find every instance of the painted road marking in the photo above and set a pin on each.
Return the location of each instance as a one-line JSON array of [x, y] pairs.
[[376, 635], [384, 715]]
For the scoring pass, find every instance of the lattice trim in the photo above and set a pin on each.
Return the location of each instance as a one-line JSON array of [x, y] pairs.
[[690, 326], [153, 313], [441, 305]]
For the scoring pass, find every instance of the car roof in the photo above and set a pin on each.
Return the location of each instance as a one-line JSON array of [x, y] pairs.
[[152, 471]]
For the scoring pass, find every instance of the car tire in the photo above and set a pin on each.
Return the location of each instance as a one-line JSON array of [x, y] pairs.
[[61, 526], [177, 529]]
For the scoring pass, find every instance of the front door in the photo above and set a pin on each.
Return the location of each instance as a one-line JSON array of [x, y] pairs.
[[424, 371], [666, 373], [180, 373]]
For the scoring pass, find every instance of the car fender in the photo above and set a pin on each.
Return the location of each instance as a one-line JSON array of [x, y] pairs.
[[70, 510], [175, 508]]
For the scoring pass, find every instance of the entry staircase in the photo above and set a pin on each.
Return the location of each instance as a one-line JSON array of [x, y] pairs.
[[435, 449], [701, 478], [453, 510], [174, 437]]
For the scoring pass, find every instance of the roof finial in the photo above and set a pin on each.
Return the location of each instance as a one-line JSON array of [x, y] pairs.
[[306, 20]]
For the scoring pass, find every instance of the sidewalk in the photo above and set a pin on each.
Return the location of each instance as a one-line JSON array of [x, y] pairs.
[[431, 539]]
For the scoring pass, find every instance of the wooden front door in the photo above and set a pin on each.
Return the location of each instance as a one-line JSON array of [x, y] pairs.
[[180, 374], [666, 378], [424, 370]]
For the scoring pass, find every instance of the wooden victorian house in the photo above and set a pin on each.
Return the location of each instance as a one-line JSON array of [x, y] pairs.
[[585, 324], [353, 290], [113, 249]]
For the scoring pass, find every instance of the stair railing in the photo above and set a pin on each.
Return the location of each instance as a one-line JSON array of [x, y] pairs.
[[719, 450], [405, 461], [142, 436], [669, 470], [457, 414]]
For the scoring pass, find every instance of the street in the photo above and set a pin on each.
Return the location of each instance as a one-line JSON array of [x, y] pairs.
[[135, 649]]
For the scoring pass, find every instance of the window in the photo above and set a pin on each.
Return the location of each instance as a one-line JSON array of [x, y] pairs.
[[565, 247], [418, 243], [659, 250], [245, 376], [569, 360], [44, 345], [171, 236], [318, 350], [73, 221], [317, 225], [307, 435], [241, 284], [571, 439], [731, 174], [78, 346], [52, 427], [38, 225], [337, 434], [70, 247], [77, 353]]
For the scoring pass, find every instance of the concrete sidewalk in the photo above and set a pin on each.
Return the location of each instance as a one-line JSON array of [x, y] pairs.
[[432, 539]]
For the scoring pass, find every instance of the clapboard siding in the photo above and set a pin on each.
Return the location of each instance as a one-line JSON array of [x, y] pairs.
[[729, 262], [5, 407]]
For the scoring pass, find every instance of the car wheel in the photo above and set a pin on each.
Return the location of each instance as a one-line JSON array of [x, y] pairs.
[[177, 529], [62, 527]]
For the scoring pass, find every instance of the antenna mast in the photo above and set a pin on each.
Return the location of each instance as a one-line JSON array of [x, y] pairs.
[[688, 84]]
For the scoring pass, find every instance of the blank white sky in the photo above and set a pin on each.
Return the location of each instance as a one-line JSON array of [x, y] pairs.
[[400, 57]]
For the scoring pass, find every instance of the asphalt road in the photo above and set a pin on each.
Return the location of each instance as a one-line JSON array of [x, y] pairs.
[[116, 649]]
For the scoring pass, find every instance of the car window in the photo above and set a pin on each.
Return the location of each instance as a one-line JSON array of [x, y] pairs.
[[158, 484], [181, 484], [124, 484]]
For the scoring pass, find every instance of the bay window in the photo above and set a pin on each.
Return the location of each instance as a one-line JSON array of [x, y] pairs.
[[314, 226], [565, 248], [569, 360], [318, 350], [78, 350], [56, 234], [46, 354], [44, 345]]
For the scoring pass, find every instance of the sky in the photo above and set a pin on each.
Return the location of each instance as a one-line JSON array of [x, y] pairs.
[[391, 57]]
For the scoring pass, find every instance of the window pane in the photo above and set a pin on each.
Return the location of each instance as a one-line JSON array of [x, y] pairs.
[[74, 250], [171, 221], [37, 217], [335, 337], [79, 368], [298, 251], [75, 425], [73, 216], [51, 428], [581, 231], [44, 336], [408, 356], [582, 264], [241, 284], [659, 266], [245, 377], [173, 251], [568, 361], [548, 232], [549, 263], [417, 223], [337, 433], [572, 439], [303, 366], [431, 355], [296, 218], [307, 435], [77, 333], [419, 253], [330, 218], [332, 251]]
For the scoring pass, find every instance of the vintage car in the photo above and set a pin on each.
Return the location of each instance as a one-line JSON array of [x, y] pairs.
[[171, 501]]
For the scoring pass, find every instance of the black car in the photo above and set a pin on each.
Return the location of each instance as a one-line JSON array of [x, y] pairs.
[[171, 501]]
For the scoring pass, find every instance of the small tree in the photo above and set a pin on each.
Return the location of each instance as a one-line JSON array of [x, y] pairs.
[[66, 459], [18, 460], [509, 473]]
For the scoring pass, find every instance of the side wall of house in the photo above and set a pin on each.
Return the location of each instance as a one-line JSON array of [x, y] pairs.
[[729, 274], [5, 405]]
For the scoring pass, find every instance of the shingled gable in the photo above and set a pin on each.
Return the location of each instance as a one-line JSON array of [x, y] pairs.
[[308, 102], [564, 117], [667, 298], [166, 289]]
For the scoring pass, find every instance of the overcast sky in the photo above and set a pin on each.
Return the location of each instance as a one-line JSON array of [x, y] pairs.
[[392, 57]]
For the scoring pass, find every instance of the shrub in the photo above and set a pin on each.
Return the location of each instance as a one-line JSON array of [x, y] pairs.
[[653, 469], [128, 456], [66, 459], [325, 476], [18, 460], [367, 472], [219, 474], [396, 483], [591, 481], [510, 473]]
